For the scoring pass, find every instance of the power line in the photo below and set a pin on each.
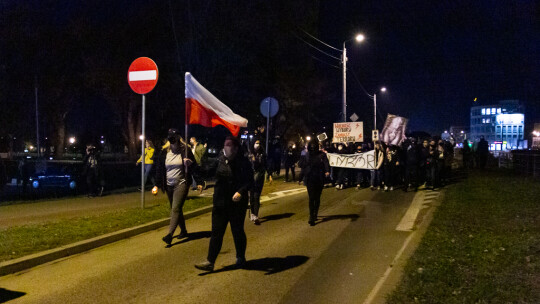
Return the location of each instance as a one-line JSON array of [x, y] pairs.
[[341, 51], [311, 45], [320, 60]]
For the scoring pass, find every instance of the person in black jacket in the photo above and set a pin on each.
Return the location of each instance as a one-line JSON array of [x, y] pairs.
[[176, 166], [316, 168], [412, 163], [257, 157], [234, 177], [93, 171]]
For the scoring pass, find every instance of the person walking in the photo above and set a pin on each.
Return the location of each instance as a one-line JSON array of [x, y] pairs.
[[176, 165], [412, 163], [199, 152], [234, 177], [391, 163], [316, 169], [466, 154], [376, 173], [93, 171], [149, 151], [257, 157], [483, 152], [341, 172], [290, 161]]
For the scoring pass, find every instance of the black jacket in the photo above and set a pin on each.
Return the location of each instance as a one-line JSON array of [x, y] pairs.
[[161, 171], [232, 176], [314, 167]]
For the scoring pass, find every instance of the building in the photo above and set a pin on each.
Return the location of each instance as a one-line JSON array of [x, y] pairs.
[[501, 124]]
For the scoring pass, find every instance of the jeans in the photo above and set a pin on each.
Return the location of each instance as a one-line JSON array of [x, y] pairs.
[[147, 170], [375, 178]]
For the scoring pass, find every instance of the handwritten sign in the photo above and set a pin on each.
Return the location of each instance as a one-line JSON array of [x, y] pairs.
[[364, 160], [348, 132]]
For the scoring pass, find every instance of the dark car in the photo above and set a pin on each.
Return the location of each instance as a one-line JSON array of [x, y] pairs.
[[55, 175]]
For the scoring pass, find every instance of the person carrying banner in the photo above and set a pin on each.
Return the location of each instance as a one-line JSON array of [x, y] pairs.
[[376, 173], [316, 169], [391, 163], [341, 172]]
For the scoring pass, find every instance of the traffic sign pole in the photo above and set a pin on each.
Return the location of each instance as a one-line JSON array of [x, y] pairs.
[[142, 78], [142, 147]]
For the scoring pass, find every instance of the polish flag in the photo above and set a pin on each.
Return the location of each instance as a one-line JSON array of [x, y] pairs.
[[205, 109]]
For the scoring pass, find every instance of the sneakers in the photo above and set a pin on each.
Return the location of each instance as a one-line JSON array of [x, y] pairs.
[[391, 188], [101, 191], [255, 219], [206, 266], [257, 222], [240, 263], [378, 187], [167, 239], [337, 187], [385, 188], [183, 234], [358, 187]]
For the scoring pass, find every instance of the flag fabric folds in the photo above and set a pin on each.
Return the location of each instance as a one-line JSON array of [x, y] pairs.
[[205, 109]]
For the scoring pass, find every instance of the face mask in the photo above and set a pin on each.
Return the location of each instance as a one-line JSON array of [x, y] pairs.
[[256, 146], [340, 148]]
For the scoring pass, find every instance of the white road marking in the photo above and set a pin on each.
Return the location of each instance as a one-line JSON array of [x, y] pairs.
[[383, 279]]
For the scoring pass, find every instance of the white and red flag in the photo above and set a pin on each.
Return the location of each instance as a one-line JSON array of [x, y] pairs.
[[205, 109]]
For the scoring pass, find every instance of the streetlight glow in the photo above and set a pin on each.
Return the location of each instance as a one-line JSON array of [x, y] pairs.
[[360, 37], [72, 140], [383, 89], [141, 137], [308, 138]]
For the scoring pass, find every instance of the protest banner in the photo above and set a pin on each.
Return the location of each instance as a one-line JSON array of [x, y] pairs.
[[393, 132], [364, 160], [348, 132]]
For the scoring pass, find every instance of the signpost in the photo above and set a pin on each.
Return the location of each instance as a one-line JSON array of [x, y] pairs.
[[375, 135], [142, 78], [348, 132], [269, 108]]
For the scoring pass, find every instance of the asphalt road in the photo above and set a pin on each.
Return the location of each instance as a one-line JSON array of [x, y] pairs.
[[340, 260]]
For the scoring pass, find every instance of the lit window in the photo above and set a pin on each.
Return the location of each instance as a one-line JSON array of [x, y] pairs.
[[483, 111], [488, 120], [493, 110], [488, 111], [483, 120], [499, 111]]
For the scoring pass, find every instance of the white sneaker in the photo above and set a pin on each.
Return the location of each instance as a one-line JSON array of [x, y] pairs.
[[391, 188], [252, 217], [340, 187], [385, 188], [337, 186]]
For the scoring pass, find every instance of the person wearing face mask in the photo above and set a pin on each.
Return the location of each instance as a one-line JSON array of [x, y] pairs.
[[316, 169], [257, 157], [234, 177], [199, 151], [175, 168]]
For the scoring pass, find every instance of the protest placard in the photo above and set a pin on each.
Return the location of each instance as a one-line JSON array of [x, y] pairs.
[[348, 132]]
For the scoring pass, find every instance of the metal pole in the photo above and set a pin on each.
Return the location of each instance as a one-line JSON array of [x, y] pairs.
[[37, 121], [142, 147], [267, 127], [374, 111], [344, 59]]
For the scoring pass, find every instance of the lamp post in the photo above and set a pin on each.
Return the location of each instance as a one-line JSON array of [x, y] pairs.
[[383, 89], [358, 38]]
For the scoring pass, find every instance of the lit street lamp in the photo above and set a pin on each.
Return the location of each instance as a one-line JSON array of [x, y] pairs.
[[374, 97], [358, 38]]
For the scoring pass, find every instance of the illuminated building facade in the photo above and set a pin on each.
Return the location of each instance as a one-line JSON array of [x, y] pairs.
[[502, 125]]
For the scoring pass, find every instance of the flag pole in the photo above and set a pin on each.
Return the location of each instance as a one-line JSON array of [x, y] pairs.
[[186, 118]]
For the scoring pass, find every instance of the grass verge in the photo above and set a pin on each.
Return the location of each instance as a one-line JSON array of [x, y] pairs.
[[482, 246], [19, 241]]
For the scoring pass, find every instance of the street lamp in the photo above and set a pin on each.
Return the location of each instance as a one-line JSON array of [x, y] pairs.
[[358, 38], [374, 97], [72, 140]]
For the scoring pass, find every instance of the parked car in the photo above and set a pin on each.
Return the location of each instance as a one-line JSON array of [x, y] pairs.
[[55, 175]]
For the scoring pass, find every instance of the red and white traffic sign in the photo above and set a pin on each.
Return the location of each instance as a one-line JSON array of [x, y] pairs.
[[143, 75]]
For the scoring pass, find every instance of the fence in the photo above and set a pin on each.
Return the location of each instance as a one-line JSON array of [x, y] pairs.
[[527, 162]]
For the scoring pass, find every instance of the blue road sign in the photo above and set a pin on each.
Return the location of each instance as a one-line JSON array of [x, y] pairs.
[[269, 107]]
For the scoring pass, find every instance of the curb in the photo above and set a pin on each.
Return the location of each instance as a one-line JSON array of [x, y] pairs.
[[43, 257]]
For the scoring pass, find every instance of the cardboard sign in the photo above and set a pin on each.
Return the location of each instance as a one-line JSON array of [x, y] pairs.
[[393, 132], [348, 132], [364, 160]]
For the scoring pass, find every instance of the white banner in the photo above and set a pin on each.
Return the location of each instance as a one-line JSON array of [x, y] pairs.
[[348, 132], [364, 160]]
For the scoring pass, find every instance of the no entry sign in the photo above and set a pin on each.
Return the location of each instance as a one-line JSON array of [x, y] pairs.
[[142, 75]]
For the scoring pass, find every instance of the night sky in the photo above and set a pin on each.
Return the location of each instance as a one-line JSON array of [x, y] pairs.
[[434, 57]]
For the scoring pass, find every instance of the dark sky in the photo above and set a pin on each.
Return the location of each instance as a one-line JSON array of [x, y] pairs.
[[434, 57]]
